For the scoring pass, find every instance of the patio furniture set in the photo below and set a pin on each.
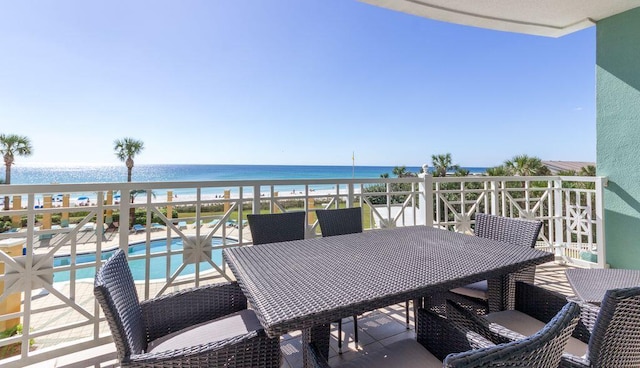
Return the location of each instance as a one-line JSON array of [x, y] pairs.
[[291, 283]]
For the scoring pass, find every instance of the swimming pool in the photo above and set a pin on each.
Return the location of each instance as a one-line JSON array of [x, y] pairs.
[[158, 265]]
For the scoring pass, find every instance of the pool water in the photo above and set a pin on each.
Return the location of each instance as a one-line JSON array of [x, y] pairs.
[[158, 265]]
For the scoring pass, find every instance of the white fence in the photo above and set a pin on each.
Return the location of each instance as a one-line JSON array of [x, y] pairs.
[[65, 231]]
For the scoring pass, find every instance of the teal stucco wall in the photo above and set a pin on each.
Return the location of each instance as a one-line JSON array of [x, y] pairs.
[[618, 134]]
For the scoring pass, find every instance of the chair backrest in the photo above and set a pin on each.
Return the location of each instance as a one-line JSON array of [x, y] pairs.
[[116, 292], [615, 339], [506, 229], [277, 227], [541, 350], [340, 221]]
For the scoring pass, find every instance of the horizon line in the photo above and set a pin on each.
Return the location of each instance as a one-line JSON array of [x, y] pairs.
[[104, 164]]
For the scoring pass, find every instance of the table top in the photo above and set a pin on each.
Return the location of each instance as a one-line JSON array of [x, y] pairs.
[[299, 284], [590, 285]]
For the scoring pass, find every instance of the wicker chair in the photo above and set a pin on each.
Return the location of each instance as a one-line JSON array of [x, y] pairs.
[[439, 338], [277, 227], [479, 296], [206, 326], [340, 222], [606, 336]]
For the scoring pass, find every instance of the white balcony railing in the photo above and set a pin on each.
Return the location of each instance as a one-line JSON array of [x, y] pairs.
[[56, 242]]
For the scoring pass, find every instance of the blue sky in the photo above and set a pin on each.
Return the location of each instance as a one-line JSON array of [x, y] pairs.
[[287, 82]]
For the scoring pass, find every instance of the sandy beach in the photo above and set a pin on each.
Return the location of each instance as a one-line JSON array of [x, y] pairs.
[[90, 199]]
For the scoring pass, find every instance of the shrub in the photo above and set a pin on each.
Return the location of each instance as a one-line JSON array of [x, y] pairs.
[[13, 349]]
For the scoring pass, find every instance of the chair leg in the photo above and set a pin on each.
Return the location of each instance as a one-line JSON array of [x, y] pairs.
[[355, 329], [406, 311], [340, 336]]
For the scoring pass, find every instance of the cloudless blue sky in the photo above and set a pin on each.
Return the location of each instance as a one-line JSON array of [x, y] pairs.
[[287, 82]]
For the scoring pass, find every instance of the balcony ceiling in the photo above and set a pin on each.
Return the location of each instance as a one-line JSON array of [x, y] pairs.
[[553, 18]]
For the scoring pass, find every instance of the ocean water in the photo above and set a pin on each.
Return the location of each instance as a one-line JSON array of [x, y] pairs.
[[171, 173], [163, 173]]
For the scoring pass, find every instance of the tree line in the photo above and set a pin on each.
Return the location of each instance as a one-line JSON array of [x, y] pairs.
[[442, 165], [519, 165]]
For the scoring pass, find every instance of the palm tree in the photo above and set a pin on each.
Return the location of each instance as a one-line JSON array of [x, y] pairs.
[[126, 149], [12, 145], [401, 172], [442, 164], [523, 165], [588, 170], [461, 172], [497, 171]]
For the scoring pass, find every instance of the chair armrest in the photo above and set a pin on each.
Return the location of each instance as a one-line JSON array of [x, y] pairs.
[[537, 302], [542, 304], [542, 349], [173, 312], [572, 361], [252, 349], [442, 337], [588, 313], [468, 321]]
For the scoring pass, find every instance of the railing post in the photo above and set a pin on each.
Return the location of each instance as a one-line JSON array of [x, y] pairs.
[[558, 217], [198, 220], [255, 206], [169, 207], [350, 195], [495, 196], [426, 200], [99, 231], [125, 206], [240, 214], [601, 183]]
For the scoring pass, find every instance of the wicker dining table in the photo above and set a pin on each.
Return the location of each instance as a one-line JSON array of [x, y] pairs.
[[307, 284], [591, 284]]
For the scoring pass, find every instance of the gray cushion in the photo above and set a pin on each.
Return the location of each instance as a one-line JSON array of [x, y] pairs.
[[236, 324], [476, 290], [404, 353], [527, 325]]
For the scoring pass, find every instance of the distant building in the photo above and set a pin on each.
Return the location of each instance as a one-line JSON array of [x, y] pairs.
[[556, 166]]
